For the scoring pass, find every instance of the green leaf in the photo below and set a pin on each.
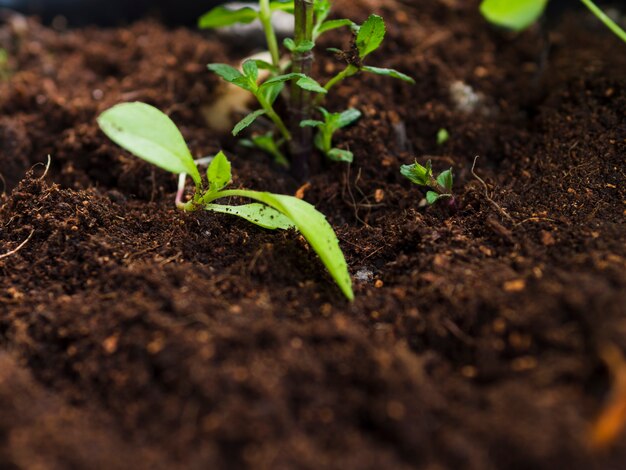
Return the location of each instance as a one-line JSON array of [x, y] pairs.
[[432, 197], [347, 117], [301, 47], [370, 35], [272, 91], [513, 14], [251, 70], [388, 73], [218, 173], [259, 214], [311, 123], [264, 65], [245, 122], [442, 136], [340, 155], [221, 16], [332, 24], [417, 173], [227, 72], [151, 135], [281, 79], [266, 143], [315, 228], [445, 179], [307, 83]]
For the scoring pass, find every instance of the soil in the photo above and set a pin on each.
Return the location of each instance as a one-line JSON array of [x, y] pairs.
[[136, 336]]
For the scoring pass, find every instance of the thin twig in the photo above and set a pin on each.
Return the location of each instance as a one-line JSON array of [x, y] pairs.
[[491, 201], [20, 246]]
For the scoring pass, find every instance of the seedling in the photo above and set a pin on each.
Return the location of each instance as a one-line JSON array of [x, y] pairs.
[[332, 123], [520, 14], [149, 134], [310, 23], [441, 186]]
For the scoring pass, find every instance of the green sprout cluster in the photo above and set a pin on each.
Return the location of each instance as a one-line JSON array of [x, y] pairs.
[[305, 93], [149, 134], [440, 186]]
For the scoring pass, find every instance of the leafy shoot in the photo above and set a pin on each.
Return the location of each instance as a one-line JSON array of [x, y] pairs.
[[332, 123], [151, 135], [440, 186]]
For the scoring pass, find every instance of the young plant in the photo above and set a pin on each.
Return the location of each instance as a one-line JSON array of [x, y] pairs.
[[149, 134], [520, 14], [310, 19], [441, 186], [332, 123]]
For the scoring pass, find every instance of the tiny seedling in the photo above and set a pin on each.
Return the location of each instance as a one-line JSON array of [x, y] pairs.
[[440, 187], [151, 135], [520, 14], [311, 21], [442, 136], [326, 129]]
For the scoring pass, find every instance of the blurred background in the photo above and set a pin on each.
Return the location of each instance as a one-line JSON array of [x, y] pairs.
[[171, 12]]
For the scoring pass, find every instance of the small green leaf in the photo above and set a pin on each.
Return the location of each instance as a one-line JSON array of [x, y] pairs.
[[281, 79], [442, 136], [445, 179], [432, 197], [272, 91], [218, 173], [388, 73], [251, 70], [221, 16], [370, 35], [333, 24], [307, 83], [245, 122], [289, 44], [340, 155], [417, 173], [315, 228], [311, 123], [259, 214], [301, 47], [264, 65], [513, 14], [151, 135], [347, 117], [227, 72]]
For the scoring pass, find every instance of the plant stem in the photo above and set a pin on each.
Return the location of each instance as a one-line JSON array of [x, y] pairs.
[[300, 106], [269, 109], [207, 198], [619, 32], [345, 73], [265, 15]]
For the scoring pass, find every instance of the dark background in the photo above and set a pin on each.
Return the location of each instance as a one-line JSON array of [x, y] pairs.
[[172, 12]]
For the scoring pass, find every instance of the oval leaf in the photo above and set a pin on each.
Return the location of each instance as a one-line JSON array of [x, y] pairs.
[[220, 17], [370, 35], [149, 134], [259, 214], [388, 73], [249, 119], [314, 227], [515, 15], [218, 173]]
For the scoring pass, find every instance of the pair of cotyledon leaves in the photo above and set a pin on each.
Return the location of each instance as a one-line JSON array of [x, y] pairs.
[[151, 135]]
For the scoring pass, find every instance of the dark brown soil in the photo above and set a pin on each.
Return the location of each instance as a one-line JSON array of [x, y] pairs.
[[136, 336]]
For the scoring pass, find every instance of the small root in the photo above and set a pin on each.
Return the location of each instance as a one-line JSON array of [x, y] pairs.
[[19, 247], [502, 212]]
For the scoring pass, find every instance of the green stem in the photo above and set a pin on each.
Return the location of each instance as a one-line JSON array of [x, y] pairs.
[[345, 73], [208, 197], [269, 110], [300, 103], [265, 15], [619, 32]]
